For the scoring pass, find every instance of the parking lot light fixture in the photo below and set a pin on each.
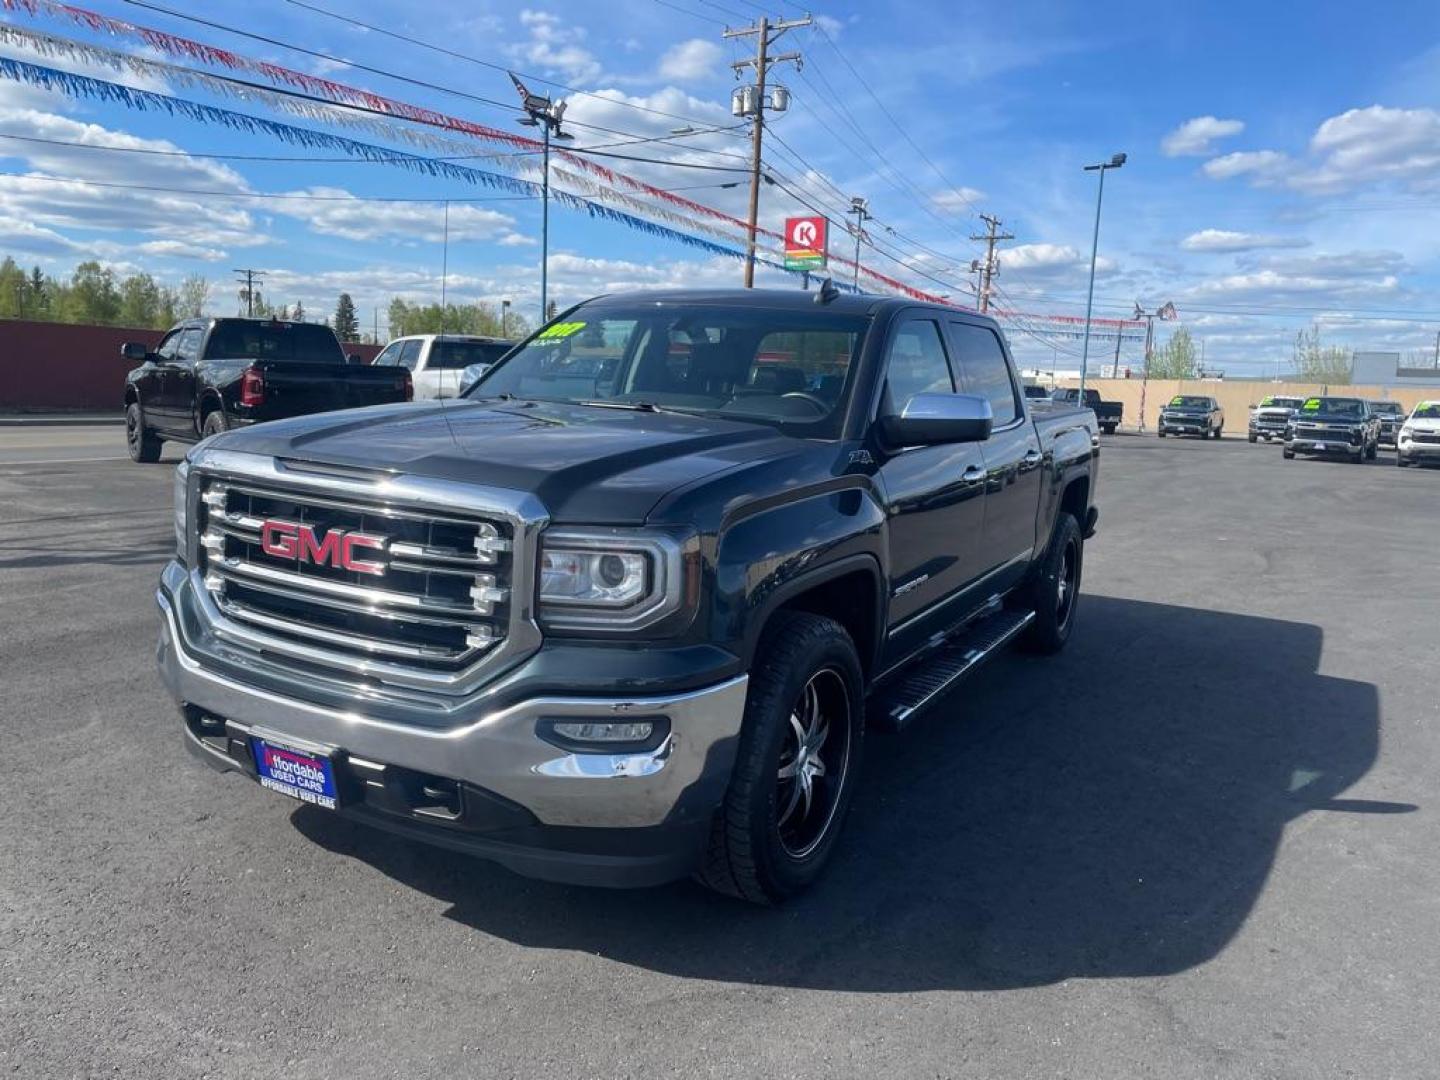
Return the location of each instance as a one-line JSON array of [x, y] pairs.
[[1115, 162]]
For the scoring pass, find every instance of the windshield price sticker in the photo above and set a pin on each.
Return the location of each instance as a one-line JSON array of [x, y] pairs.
[[552, 335], [1177, 401], [1311, 405]]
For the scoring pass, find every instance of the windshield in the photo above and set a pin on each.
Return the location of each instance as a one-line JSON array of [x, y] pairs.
[[461, 354], [1429, 410], [780, 366], [1389, 408], [302, 343], [1182, 401], [1281, 402], [1334, 406]]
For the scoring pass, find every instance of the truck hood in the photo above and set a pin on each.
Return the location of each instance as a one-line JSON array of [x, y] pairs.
[[586, 464]]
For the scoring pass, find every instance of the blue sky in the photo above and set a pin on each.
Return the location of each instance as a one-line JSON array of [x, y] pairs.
[[1284, 160]]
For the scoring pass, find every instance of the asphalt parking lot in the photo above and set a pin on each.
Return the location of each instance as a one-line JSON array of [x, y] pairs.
[[1200, 843]]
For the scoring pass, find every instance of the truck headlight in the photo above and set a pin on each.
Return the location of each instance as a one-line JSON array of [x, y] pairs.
[[609, 579], [182, 509]]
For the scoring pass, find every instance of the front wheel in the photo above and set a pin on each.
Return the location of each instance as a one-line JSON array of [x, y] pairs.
[[1373, 452], [1054, 592], [142, 444], [1401, 460], [797, 764], [1161, 432], [1256, 438], [1219, 430], [1288, 454]]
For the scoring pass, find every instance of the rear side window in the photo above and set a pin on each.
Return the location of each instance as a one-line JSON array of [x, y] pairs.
[[916, 364], [461, 354], [983, 370], [187, 346], [410, 354]]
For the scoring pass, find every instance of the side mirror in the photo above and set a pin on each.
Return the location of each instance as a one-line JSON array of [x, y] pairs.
[[135, 351], [929, 419], [354, 358]]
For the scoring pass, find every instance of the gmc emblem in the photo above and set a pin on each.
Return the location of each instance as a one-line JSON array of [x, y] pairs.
[[334, 547]]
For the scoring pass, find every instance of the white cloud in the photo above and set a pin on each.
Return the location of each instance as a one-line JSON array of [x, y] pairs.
[[1263, 166], [339, 213], [179, 249], [691, 60], [1374, 145], [1224, 240], [554, 47], [1195, 138], [1054, 259], [961, 200]]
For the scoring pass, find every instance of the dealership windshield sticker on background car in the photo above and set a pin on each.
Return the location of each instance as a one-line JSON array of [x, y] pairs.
[[558, 332]]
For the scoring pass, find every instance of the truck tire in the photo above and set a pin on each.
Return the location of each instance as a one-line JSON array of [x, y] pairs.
[[1219, 431], [1401, 460], [1054, 592], [1358, 458], [214, 423], [1372, 453], [1255, 438], [142, 443], [803, 733], [1160, 432], [1288, 454], [1109, 429]]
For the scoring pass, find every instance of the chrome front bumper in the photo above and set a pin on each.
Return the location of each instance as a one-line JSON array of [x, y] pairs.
[[496, 749]]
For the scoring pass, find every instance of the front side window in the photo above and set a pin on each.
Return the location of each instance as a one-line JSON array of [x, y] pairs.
[[916, 364], [984, 372], [779, 366], [187, 346]]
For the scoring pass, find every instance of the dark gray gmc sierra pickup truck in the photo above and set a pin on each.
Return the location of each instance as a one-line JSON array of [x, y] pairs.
[[620, 614]]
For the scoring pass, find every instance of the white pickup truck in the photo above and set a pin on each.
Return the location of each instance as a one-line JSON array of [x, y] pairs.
[[437, 362]]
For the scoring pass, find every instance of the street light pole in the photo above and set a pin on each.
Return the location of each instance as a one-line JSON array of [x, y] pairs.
[[540, 111], [1114, 163]]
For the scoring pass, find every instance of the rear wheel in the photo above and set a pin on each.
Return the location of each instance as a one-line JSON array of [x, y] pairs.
[[1109, 429], [1054, 592], [143, 444], [796, 766], [214, 423]]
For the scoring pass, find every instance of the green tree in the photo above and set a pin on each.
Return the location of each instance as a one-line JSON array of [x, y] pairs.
[[481, 319], [299, 313], [13, 287], [1318, 362], [347, 326], [192, 296], [37, 301], [92, 296], [169, 312], [139, 301], [1176, 358]]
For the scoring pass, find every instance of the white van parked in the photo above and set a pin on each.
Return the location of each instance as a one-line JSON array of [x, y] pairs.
[[438, 362]]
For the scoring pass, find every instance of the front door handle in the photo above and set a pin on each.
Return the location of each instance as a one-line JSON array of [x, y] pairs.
[[973, 474], [1032, 457]]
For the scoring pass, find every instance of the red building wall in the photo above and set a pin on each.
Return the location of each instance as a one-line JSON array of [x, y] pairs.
[[45, 366]]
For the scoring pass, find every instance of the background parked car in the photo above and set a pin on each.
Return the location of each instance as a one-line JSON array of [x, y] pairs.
[[1391, 415], [1269, 419], [208, 375], [438, 363], [1108, 413], [1419, 439], [1334, 425], [1192, 414]]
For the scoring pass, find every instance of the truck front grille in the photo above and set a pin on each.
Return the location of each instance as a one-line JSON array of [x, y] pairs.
[[340, 580]]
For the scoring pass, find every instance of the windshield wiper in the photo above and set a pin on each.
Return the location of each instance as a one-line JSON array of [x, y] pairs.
[[633, 406]]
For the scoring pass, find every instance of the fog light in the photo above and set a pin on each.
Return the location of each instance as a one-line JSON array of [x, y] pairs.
[[633, 735], [593, 731]]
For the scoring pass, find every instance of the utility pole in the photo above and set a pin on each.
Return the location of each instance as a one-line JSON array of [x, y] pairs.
[[1437, 350], [1167, 312], [861, 209], [248, 280], [990, 267], [751, 101], [540, 111]]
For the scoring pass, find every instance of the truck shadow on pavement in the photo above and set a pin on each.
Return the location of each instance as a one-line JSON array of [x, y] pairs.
[[1113, 812]]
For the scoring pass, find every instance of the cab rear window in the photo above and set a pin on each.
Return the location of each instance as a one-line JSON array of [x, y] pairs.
[[302, 343]]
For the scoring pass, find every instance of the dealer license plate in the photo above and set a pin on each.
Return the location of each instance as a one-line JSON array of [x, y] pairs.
[[301, 774]]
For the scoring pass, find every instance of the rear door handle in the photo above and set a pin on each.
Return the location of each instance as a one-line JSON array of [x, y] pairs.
[[973, 474]]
